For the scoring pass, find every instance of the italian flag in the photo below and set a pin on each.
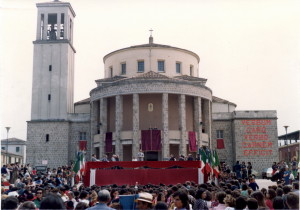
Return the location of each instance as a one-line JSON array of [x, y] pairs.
[[79, 167], [215, 163]]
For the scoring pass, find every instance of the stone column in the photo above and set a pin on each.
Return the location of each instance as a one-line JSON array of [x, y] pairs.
[[182, 125], [103, 126], [135, 127], [93, 126], [119, 125], [165, 131], [207, 121], [45, 26], [198, 119], [58, 25]]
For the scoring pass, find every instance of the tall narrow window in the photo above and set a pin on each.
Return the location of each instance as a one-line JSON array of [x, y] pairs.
[[111, 71], [17, 149], [123, 68], [52, 27], [47, 137], [161, 66], [50, 67], [82, 135], [178, 67], [49, 97], [191, 70], [141, 66], [71, 32], [62, 25], [220, 134], [42, 26]]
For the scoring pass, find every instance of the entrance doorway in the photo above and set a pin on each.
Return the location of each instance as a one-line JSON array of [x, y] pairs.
[[151, 156], [174, 150], [127, 152]]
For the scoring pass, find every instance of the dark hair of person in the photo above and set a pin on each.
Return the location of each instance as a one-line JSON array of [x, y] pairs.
[[161, 206], [11, 202], [252, 203], [264, 191], [199, 193], [292, 200], [279, 192], [81, 205], [208, 196], [244, 187], [183, 197], [228, 191], [278, 203], [27, 206], [52, 201], [259, 196], [160, 196], [272, 194], [240, 203], [286, 189], [203, 186], [83, 194], [236, 193], [296, 185], [220, 197]]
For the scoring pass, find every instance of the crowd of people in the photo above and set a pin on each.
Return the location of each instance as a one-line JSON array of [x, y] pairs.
[[54, 190]]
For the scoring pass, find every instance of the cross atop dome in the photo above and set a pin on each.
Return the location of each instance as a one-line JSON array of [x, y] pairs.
[[151, 38]]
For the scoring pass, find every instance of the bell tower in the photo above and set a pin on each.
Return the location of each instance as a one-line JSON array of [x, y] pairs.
[[53, 62]]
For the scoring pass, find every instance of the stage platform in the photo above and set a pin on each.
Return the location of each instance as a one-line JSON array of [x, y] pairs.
[[143, 172]]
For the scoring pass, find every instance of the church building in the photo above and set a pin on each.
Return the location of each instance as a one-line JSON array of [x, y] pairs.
[[152, 98]]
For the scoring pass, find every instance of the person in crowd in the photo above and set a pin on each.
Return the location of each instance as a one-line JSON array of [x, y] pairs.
[[3, 170], [39, 196], [81, 205], [140, 155], [104, 199], [286, 176], [286, 189], [161, 206], [27, 206], [294, 167], [241, 203], [220, 196], [259, 196], [271, 194], [292, 201], [181, 200], [52, 201], [244, 170], [83, 197], [200, 202], [144, 201], [252, 204], [278, 203], [11, 202], [230, 202], [181, 158]]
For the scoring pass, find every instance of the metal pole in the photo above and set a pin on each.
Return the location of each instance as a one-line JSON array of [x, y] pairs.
[[286, 127], [7, 130]]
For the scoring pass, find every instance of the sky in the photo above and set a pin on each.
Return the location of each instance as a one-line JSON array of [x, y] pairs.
[[249, 50]]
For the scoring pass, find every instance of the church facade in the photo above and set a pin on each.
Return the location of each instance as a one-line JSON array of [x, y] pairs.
[[152, 97]]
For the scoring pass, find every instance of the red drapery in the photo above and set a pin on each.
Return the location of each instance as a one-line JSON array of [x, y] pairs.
[[146, 176], [220, 144], [151, 140], [82, 145], [108, 142], [192, 141]]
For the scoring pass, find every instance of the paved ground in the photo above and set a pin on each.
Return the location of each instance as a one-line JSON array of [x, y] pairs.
[[264, 183]]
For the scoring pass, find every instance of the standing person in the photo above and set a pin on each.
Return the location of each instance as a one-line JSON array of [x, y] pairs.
[[200, 203], [249, 168], [274, 168], [181, 158], [253, 184], [244, 170], [94, 159], [190, 157], [286, 176], [181, 200], [237, 169], [140, 155], [271, 194], [3, 170], [294, 167], [172, 158], [104, 159]]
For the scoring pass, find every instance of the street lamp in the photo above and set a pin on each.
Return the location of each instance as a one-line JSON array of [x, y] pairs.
[[286, 127], [7, 130]]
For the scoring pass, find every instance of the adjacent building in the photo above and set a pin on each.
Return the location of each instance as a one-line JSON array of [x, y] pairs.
[[152, 97], [13, 150]]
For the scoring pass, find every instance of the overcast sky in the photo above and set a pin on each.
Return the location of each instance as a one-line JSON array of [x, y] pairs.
[[249, 49]]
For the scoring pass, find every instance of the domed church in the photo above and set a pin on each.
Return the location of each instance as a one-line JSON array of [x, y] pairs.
[[152, 98]]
